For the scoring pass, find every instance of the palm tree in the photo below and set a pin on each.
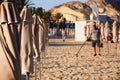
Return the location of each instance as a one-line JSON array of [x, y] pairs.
[[47, 16], [39, 11], [57, 16], [21, 3]]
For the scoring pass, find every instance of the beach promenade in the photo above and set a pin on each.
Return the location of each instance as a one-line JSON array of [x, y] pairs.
[[62, 63]]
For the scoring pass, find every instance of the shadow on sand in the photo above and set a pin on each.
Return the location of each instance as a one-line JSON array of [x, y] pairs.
[[67, 44]]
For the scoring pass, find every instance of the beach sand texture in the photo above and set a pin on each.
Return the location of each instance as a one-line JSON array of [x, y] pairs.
[[62, 63]]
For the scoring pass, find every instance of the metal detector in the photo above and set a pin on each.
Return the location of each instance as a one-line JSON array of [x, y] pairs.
[[80, 48], [78, 52]]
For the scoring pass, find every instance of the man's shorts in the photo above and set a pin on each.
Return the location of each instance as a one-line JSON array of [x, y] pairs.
[[63, 36], [95, 42]]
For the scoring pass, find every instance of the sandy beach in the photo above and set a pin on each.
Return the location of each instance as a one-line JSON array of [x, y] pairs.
[[62, 63]]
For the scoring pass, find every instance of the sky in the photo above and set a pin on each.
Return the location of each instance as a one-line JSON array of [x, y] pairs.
[[48, 4]]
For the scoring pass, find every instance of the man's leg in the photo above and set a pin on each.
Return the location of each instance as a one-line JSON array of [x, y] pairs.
[[95, 51], [99, 51], [99, 45], [94, 47]]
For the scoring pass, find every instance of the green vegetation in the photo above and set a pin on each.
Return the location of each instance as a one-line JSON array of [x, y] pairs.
[[47, 16], [56, 17], [21, 3]]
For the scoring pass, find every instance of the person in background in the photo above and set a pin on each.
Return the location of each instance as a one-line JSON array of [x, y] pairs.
[[95, 33], [63, 34]]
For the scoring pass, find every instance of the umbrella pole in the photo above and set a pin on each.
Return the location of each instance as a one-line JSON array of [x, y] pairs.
[[35, 70], [42, 61], [27, 76], [44, 57], [108, 46], [40, 66], [101, 50], [79, 51], [80, 48], [116, 48], [40, 69]]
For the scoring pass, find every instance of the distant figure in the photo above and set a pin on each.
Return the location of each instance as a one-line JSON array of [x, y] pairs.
[[63, 34], [114, 31], [96, 39]]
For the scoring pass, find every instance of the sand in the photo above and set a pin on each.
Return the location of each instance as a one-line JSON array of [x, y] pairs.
[[62, 63]]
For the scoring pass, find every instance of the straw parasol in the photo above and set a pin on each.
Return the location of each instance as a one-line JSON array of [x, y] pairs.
[[9, 42], [26, 48], [38, 33]]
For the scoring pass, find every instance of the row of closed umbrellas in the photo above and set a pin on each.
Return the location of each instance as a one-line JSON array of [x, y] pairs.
[[21, 37]]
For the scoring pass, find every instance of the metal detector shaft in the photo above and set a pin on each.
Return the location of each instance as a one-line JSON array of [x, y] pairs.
[[81, 48], [77, 61]]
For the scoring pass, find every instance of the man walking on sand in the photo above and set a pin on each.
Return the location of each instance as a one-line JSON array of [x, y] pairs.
[[95, 33]]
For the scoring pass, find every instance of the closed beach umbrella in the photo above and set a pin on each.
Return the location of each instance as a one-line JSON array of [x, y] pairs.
[[46, 29], [95, 11], [26, 48], [106, 30], [35, 35], [114, 31], [9, 43], [42, 35], [88, 31], [102, 31], [39, 39], [39, 35]]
